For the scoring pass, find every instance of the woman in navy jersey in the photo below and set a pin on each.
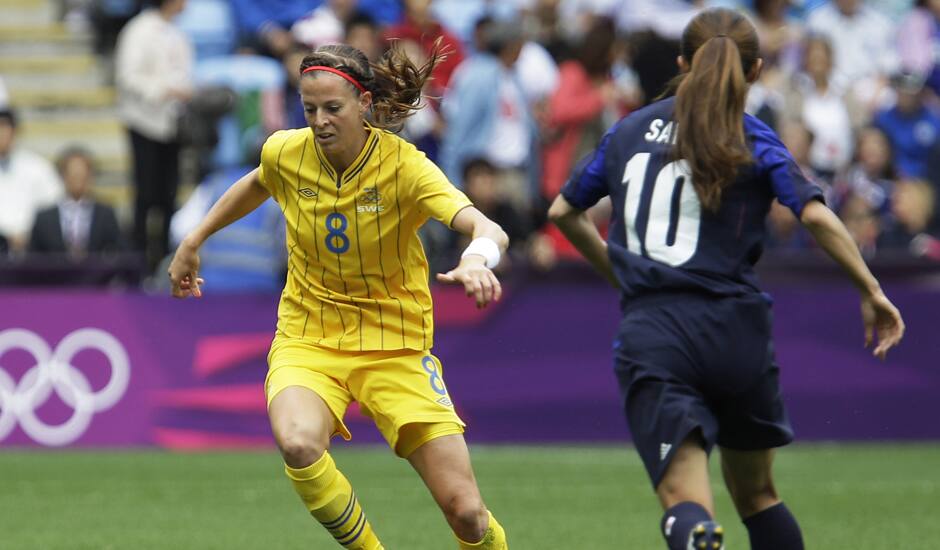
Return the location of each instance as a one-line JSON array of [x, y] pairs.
[[692, 178]]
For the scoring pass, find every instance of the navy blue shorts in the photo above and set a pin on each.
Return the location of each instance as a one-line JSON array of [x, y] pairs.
[[688, 362]]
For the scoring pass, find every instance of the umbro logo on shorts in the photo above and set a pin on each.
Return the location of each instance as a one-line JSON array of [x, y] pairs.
[[307, 192]]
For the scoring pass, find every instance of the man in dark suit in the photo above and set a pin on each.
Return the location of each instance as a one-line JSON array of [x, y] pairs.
[[78, 225]]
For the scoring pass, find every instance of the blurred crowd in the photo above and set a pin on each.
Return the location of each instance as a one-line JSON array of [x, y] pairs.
[[527, 89]]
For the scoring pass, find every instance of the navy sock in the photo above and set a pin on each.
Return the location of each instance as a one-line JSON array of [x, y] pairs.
[[678, 522], [774, 529]]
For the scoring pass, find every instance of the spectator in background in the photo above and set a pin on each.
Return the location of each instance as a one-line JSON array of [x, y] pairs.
[[264, 24], [871, 175], [385, 12], [488, 117], [536, 70], [862, 222], [247, 256], [665, 18], [482, 187], [324, 25], [364, 34], [780, 36], [460, 16], [863, 42], [654, 60], [537, 73], [653, 26], [820, 103], [481, 182], [544, 23], [919, 42], [420, 26], [764, 100], [255, 85], [211, 27], [780, 39], [575, 124], [153, 71], [628, 92], [28, 183], [108, 17], [912, 206], [911, 126], [78, 225]]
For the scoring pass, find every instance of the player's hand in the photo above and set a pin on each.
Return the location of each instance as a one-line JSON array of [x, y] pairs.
[[184, 272], [477, 280], [883, 320]]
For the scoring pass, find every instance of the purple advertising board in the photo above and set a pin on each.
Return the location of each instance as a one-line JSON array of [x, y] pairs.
[[116, 369]]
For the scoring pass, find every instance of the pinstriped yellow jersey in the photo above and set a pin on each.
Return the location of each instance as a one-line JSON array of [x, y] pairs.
[[357, 274]]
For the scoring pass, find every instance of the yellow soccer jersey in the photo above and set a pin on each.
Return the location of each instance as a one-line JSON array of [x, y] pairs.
[[357, 275]]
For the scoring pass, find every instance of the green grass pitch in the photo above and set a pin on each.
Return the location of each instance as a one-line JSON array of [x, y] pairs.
[[567, 498]]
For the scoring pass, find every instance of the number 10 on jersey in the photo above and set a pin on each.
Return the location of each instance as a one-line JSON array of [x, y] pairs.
[[674, 213]]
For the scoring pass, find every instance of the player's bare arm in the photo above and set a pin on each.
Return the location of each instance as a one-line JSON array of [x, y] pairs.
[[880, 316], [488, 242], [583, 234], [241, 198]]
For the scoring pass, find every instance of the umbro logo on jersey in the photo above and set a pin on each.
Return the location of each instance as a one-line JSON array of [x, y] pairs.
[[307, 192], [445, 401], [369, 201], [664, 449]]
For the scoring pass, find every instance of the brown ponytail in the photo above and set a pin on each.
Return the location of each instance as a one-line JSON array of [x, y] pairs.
[[394, 81], [721, 47]]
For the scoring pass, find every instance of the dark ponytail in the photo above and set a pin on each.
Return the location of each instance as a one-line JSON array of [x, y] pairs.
[[395, 81], [721, 48]]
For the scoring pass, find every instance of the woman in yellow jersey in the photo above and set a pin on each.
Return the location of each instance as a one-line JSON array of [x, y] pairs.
[[355, 318]]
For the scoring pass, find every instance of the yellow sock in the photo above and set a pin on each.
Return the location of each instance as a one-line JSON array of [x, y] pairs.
[[328, 495], [493, 539]]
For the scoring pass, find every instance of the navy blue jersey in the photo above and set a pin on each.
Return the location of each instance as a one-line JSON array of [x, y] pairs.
[[660, 238]]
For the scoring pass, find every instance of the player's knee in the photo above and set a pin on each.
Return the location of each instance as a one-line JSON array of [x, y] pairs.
[[301, 450], [467, 515]]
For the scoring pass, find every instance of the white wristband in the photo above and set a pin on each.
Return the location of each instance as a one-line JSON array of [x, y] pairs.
[[486, 247]]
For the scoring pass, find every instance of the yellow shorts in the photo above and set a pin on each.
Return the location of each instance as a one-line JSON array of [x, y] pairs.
[[394, 388]]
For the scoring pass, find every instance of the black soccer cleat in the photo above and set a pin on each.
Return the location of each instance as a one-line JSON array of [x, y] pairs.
[[707, 535]]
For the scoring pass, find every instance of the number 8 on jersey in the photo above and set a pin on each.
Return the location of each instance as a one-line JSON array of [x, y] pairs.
[[336, 239]]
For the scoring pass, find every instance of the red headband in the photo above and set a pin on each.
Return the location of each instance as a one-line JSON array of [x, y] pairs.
[[352, 80]]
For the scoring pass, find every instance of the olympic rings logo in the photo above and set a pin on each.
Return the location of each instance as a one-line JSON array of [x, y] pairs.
[[53, 371]]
